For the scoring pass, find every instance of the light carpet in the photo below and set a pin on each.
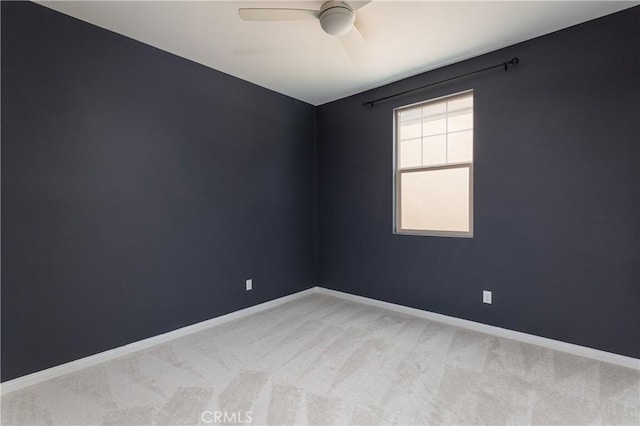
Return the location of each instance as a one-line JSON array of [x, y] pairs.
[[323, 360]]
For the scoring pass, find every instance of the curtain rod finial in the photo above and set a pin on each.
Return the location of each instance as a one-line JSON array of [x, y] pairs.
[[513, 61]]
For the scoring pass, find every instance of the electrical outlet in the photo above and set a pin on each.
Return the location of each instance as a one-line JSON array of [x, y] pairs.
[[486, 296], [248, 284]]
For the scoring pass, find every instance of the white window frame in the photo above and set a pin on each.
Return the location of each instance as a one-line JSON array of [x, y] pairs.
[[397, 172]]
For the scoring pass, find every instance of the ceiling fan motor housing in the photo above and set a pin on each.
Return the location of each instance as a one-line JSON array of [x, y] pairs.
[[336, 17]]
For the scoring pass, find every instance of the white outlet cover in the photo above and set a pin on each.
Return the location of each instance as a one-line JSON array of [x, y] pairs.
[[486, 296], [249, 285]]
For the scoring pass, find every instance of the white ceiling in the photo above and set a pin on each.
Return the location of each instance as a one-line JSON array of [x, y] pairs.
[[299, 60]]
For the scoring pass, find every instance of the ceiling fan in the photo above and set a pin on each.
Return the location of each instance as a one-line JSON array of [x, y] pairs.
[[337, 18]]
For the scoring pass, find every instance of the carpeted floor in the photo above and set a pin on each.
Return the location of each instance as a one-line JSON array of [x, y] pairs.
[[323, 360]]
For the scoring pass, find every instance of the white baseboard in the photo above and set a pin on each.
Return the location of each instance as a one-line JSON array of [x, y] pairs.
[[79, 364], [557, 345]]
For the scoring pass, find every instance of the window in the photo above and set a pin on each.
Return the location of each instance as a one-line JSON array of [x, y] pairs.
[[434, 167]]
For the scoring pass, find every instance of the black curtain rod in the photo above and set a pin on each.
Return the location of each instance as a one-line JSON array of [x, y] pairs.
[[513, 61]]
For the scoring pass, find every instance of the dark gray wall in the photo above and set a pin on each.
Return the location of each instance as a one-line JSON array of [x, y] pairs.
[[139, 191], [557, 200]]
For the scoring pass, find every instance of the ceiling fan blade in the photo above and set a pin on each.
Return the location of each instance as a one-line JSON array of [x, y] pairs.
[[356, 46], [355, 5], [266, 14], [270, 51]]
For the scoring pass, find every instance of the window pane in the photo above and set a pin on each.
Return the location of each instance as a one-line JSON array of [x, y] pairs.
[[460, 104], [410, 131], [410, 115], [435, 200], [410, 153], [437, 109], [434, 150], [460, 147], [434, 126], [461, 120]]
